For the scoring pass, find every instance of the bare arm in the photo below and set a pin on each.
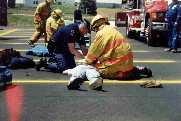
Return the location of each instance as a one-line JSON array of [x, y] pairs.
[[84, 49], [74, 51]]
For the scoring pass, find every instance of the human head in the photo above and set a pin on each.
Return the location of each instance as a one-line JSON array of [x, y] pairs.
[[97, 21], [83, 29], [57, 13]]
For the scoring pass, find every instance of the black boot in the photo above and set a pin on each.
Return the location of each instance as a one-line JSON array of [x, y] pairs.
[[75, 85], [98, 88], [41, 63], [145, 71]]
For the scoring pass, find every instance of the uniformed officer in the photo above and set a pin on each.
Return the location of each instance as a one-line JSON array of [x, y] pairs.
[[179, 20], [62, 46], [173, 18], [41, 14], [54, 22], [77, 15]]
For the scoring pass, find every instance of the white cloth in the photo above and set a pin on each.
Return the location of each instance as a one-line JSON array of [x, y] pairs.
[[86, 72]]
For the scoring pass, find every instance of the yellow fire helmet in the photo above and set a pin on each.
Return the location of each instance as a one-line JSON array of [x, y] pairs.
[[97, 21], [58, 12], [49, 1]]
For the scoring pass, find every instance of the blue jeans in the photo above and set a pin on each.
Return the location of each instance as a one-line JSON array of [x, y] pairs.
[[172, 36], [56, 63]]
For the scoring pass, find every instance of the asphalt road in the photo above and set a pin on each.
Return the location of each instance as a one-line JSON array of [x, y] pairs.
[[42, 96]]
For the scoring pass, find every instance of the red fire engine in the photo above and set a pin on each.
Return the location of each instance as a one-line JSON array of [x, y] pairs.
[[147, 22]]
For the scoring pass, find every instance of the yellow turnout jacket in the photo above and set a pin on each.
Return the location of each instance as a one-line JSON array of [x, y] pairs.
[[42, 12], [52, 25]]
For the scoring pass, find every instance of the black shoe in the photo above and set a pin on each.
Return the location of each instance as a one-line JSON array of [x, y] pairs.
[[146, 71], [41, 63], [75, 85], [98, 88], [174, 50], [168, 49]]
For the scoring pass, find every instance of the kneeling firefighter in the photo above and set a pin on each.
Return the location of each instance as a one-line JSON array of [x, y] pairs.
[[111, 53]]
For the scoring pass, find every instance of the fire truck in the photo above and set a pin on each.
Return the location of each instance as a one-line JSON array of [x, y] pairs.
[[148, 22]]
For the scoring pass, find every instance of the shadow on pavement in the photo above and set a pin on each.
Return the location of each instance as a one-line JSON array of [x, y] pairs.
[[6, 87]]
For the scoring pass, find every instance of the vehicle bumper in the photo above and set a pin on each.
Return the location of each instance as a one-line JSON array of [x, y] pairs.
[[159, 26]]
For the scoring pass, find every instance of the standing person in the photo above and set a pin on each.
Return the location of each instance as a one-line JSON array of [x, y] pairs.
[[111, 53], [41, 14], [62, 46], [54, 22], [77, 15], [173, 17], [178, 28]]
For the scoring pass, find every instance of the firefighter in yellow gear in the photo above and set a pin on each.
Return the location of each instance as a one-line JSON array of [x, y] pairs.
[[111, 53], [54, 22], [41, 14]]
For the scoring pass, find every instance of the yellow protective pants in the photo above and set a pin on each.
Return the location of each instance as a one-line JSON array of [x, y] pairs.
[[40, 30]]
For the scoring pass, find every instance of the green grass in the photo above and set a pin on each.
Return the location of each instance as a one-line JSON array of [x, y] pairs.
[[20, 20], [23, 16]]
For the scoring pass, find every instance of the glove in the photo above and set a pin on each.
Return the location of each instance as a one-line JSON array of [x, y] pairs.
[[151, 84]]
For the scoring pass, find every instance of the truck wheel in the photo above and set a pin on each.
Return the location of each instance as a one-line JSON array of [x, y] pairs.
[[129, 33], [149, 35]]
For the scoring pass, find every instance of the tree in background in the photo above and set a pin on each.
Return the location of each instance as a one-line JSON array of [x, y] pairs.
[[88, 7]]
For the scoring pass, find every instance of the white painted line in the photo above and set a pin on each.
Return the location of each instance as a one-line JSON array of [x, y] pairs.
[[17, 36], [27, 29], [17, 43]]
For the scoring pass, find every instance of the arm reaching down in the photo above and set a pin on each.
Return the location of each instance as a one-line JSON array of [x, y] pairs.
[[74, 51]]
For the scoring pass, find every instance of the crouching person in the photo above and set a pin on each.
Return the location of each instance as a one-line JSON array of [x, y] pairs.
[[63, 50], [81, 73], [54, 22]]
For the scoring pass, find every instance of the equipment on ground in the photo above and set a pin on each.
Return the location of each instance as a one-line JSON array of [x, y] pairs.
[[5, 76]]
